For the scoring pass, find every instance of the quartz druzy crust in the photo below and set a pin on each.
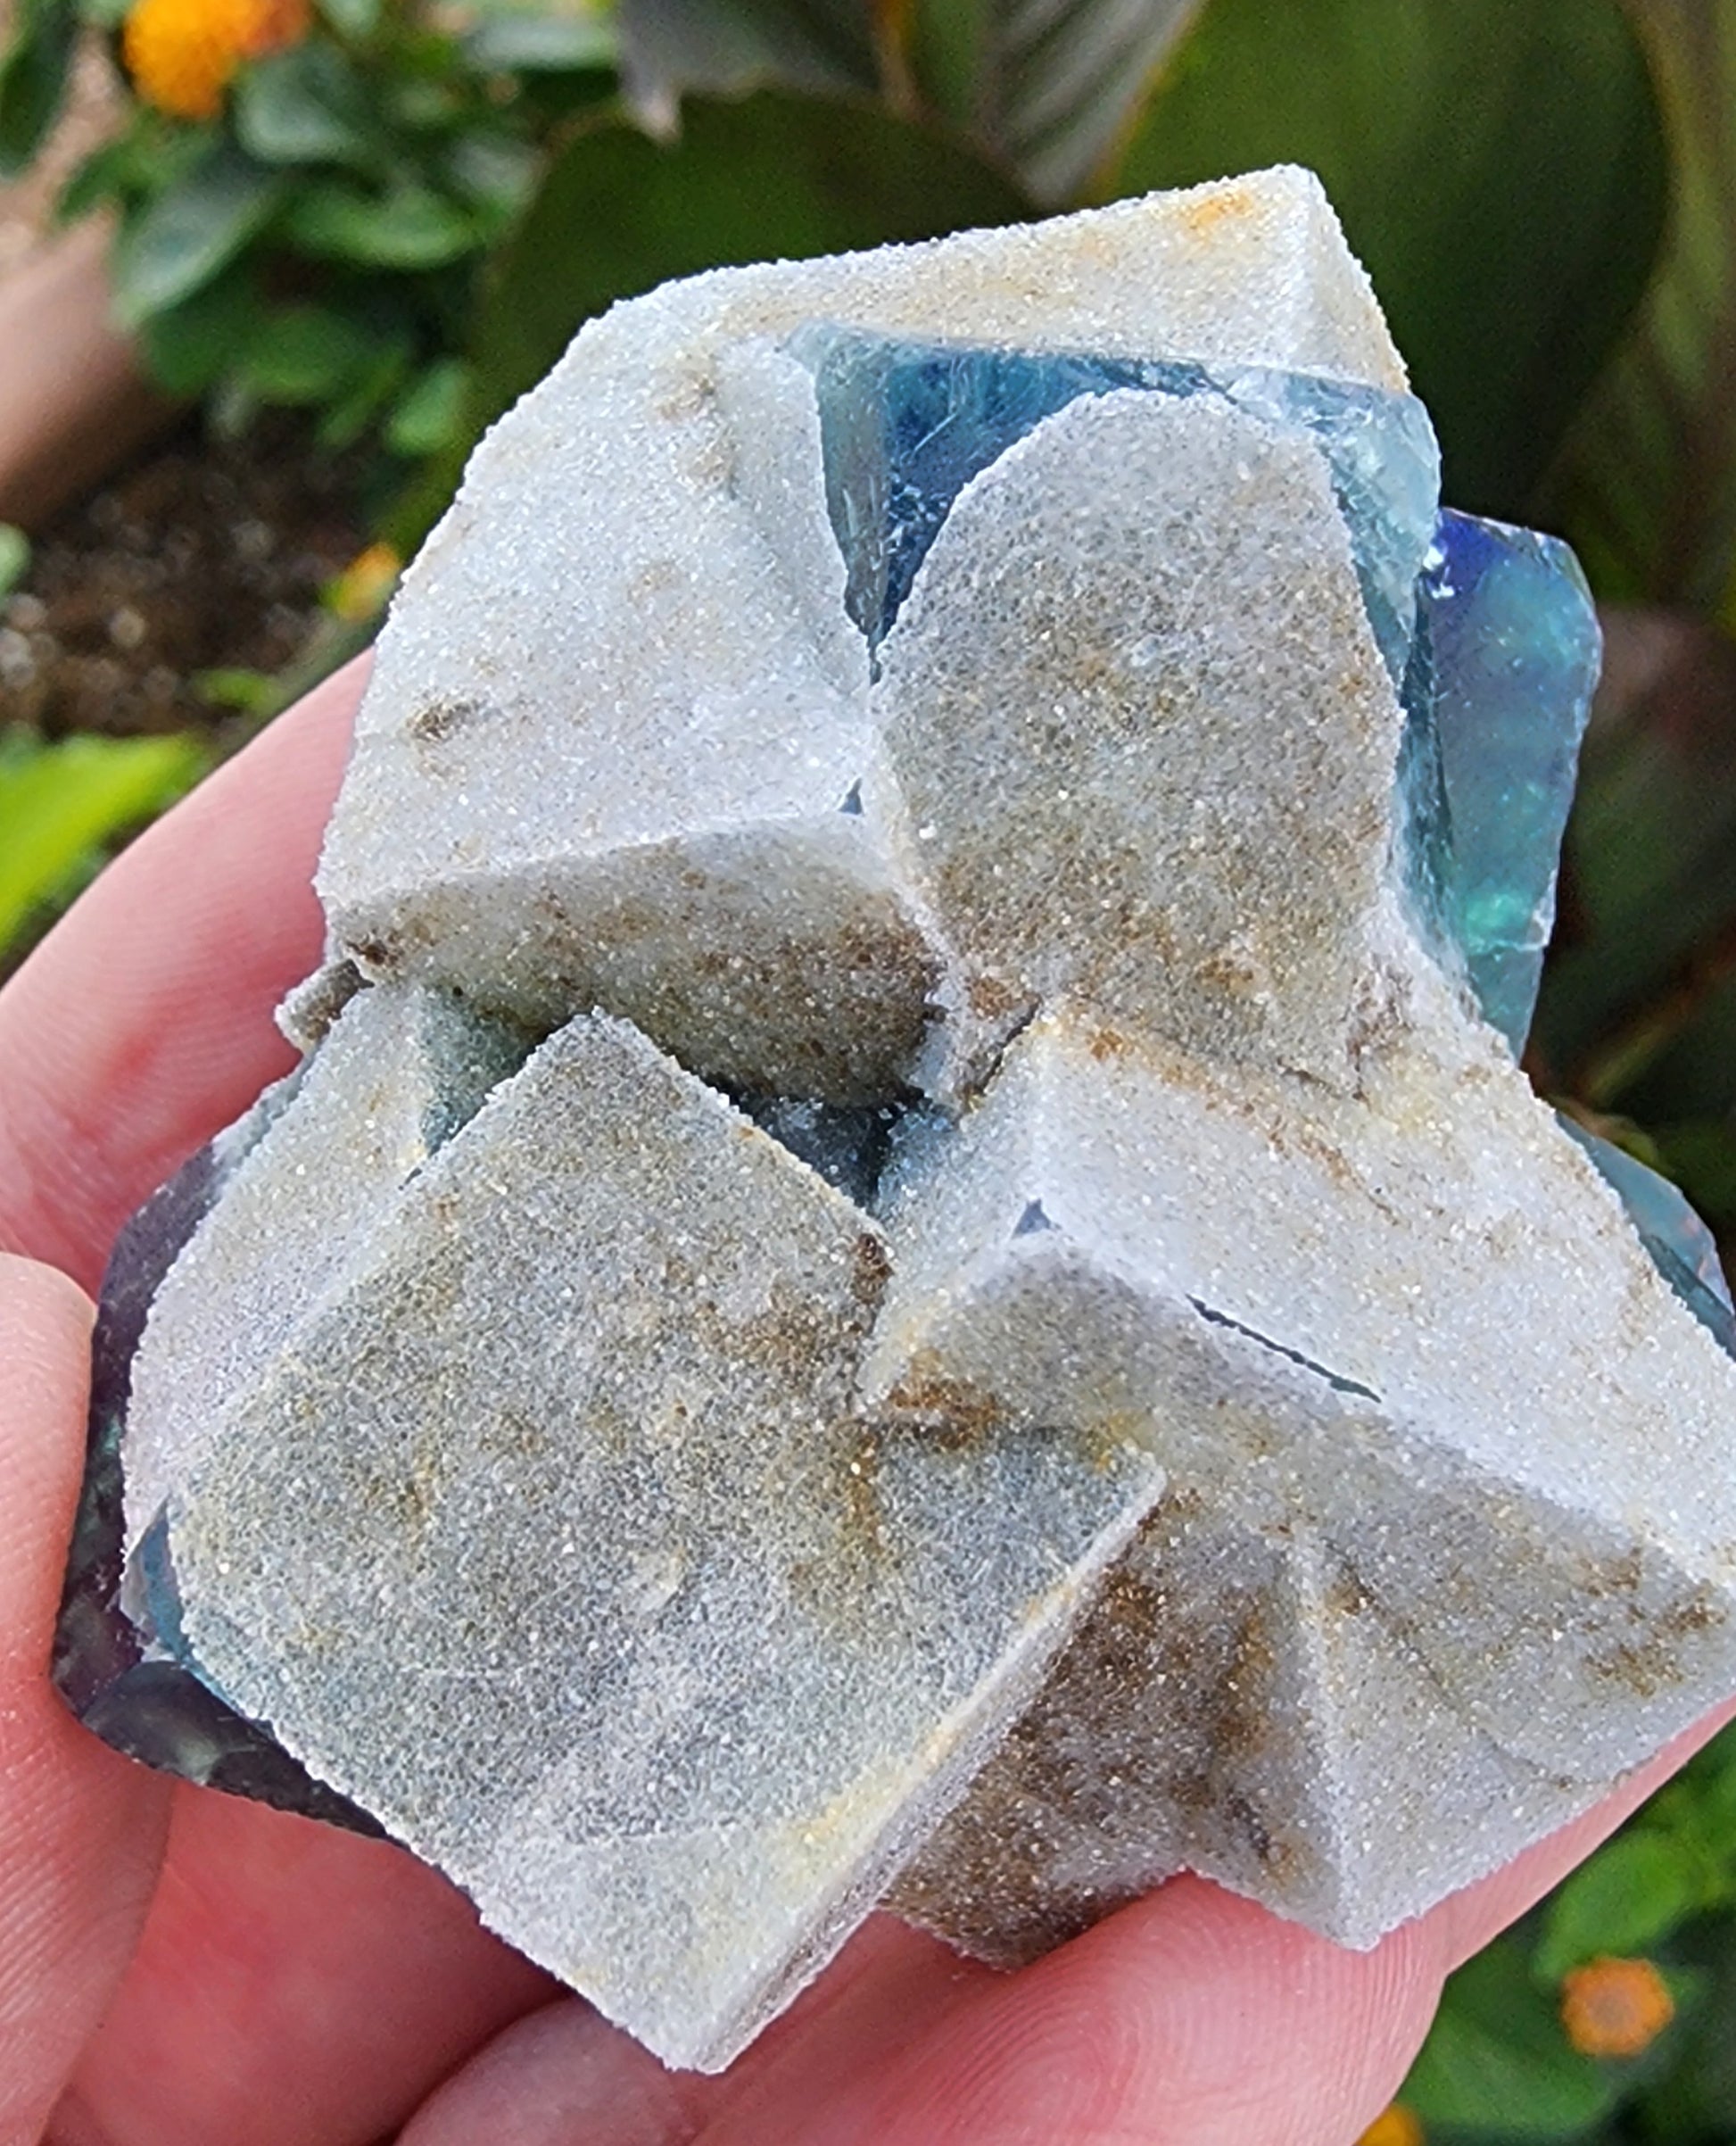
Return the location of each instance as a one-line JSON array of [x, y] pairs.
[[911, 1261]]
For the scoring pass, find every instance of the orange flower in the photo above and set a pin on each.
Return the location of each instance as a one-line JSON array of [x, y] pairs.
[[360, 592], [1614, 2008], [1396, 2127], [182, 53]]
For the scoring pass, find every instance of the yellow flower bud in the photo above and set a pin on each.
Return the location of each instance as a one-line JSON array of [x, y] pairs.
[[361, 590], [1396, 2127]]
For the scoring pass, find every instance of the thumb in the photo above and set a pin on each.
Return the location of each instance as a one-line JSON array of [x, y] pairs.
[[80, 1828]]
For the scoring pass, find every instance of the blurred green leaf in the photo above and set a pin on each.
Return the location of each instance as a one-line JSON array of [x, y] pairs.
[[145, 158], [1633, 1892], [773, 176], [191, 231], [60, 802], [408, 226], [366, 394], [526, 40], [107, 173], [190, 345], [352, 18], [1500, 168], [492, 169], [301, 354], [672, 47], [1648, 489], [14, 557], [249, 693], [424, 103], [34, 72], [427, 417], [1497, 2064], [1049, 88], [306, 106], [1691, 2100], [1647, 919]]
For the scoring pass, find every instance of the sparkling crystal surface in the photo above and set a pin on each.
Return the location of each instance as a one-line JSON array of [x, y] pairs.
[[910, 1262], [120, 1659], [1679, 1241]]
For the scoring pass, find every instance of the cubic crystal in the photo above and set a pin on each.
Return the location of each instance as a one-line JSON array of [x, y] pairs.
[[911, 1261]]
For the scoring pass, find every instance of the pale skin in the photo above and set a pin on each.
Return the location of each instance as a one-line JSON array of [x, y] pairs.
[[178, 1968]]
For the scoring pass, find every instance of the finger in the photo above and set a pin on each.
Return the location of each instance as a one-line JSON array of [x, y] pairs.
[[1188, 2019], [80, 1829], [295, 1986], [142, 1023], [1195, 2018], [564, 2075]]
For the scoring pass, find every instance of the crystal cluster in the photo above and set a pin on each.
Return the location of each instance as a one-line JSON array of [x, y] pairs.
[[910, 1262]]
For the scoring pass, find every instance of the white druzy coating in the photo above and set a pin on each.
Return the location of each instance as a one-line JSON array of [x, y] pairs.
[[1140, 740], [618, 698], [611, 1605], [1015, 1333], [401, 1070]]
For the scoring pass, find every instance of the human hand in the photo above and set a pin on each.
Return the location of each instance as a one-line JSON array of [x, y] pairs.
[[259, 1979]]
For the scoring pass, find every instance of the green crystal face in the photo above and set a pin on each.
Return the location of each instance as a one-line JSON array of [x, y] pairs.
[[1490, 628]]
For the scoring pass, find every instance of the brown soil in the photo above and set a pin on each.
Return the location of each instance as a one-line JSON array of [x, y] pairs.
[[204, 556]]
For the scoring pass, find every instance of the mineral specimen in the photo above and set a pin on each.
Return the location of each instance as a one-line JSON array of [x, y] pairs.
[[910, 1261]]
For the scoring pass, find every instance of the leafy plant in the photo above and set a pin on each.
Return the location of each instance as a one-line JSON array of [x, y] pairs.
[[1498, 167], [304, 200], [1651, 1909], [774, 174], [61, 805], [1650, 485]]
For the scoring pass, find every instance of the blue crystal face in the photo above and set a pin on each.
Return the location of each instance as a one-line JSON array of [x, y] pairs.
[[1497, 695], [1490, 631], [1681, 1245], [906, 426]]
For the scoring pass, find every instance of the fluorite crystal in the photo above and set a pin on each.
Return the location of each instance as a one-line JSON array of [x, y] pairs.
[[910, 1262]]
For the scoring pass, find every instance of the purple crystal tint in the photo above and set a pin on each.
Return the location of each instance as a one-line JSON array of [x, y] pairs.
[[130, 1677]]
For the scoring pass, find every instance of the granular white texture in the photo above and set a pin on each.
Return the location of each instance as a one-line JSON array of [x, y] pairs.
[[618, 708], [1018, 1331], [619, 1611]]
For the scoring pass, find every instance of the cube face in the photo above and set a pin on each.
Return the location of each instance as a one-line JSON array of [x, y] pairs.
[[1107, 793], [637, 659], [911, 1261]]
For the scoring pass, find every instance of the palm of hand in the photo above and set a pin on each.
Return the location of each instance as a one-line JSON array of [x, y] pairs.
[[259, 1978]]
